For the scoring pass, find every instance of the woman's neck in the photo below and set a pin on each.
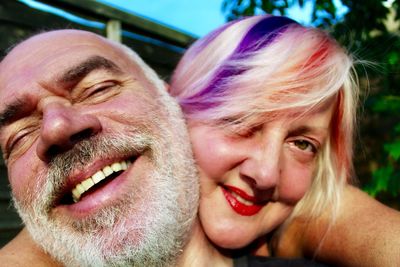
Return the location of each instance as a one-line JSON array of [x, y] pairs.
[[200, 252]]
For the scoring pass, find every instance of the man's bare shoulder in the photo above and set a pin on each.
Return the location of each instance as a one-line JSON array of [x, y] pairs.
[[22, 251]]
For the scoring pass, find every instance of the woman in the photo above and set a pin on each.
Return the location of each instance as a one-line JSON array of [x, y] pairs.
[[271, 109], [270, 106]]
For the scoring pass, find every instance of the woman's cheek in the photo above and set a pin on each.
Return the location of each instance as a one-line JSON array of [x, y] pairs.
[[296, 184], [212, 152]]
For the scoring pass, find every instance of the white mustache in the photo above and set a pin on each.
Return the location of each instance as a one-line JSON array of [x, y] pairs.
[[82, 154]]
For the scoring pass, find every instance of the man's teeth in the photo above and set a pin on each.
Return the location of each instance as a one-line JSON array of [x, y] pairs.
[[242, 200], [85, 185]]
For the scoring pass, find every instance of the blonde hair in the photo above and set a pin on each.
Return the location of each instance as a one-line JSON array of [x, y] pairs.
[[269, 65]]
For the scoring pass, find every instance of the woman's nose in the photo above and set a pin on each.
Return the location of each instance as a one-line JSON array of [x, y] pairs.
[[262, 165], [62, 127]]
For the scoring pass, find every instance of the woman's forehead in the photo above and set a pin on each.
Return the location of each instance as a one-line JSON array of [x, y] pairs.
[[320, 113]]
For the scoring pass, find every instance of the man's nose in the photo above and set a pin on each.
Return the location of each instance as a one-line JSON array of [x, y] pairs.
[[62, 127], [262, 164]]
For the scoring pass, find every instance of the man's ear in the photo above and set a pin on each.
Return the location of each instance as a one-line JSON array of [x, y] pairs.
[[167, 86]]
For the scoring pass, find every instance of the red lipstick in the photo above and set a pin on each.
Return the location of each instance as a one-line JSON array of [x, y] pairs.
[[237, 206]]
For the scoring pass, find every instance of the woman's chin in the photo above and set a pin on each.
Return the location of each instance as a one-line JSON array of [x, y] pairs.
[[226, 229], [229, 238]]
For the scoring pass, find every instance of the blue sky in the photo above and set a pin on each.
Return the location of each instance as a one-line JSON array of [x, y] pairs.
[[195, 17]]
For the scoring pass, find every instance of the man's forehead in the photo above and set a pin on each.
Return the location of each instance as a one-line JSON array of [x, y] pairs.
[[47, 45], [60, 38], [46, 56], [53, 62]]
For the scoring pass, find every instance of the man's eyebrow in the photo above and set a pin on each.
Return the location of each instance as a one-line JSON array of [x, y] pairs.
[[12, 111], [79, 71], [18, 107]]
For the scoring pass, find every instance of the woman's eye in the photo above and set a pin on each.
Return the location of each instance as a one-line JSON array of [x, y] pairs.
[[305, 145]]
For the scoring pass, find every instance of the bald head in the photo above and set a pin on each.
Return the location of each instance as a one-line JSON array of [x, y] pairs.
[[94, 152], [66, 48]]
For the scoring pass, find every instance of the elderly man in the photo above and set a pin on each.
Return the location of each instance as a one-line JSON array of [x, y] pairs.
[[93, 146]]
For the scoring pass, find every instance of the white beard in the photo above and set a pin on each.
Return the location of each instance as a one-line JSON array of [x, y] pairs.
[[148, 227]]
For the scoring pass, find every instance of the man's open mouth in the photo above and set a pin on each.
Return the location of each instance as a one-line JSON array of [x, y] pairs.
[[98, 179]]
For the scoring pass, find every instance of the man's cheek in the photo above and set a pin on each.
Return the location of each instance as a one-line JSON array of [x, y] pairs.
[[25, 178]]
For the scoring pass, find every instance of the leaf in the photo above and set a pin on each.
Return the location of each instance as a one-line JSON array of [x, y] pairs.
[[268, 6], [397, 128], [394, 184], [393, 149], [225, 5], [380, 180], [393, 58], [389, 103]]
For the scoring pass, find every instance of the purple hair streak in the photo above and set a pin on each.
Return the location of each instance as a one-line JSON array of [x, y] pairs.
[[212, 35], [259, 36]]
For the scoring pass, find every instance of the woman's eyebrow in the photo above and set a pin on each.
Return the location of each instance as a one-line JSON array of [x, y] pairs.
[[308, 129]]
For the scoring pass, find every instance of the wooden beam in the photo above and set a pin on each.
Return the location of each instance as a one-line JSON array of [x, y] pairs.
[[114, 30], [129, 21], [20, 14]]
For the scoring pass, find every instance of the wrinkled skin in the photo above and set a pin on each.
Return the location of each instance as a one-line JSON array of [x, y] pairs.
[[73, 103]]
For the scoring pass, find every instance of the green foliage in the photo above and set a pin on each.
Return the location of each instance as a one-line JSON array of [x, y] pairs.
[[365, 32], [393, 149], [384, 181], [390, 103], [381, 180], [386, 178]]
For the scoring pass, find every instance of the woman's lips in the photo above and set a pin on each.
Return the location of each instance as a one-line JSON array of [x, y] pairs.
[[240, 201]]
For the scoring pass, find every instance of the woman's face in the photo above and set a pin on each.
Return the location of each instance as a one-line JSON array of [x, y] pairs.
[[251, 180]]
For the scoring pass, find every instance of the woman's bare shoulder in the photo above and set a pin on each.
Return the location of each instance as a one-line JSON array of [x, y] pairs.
[[365, 233]]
